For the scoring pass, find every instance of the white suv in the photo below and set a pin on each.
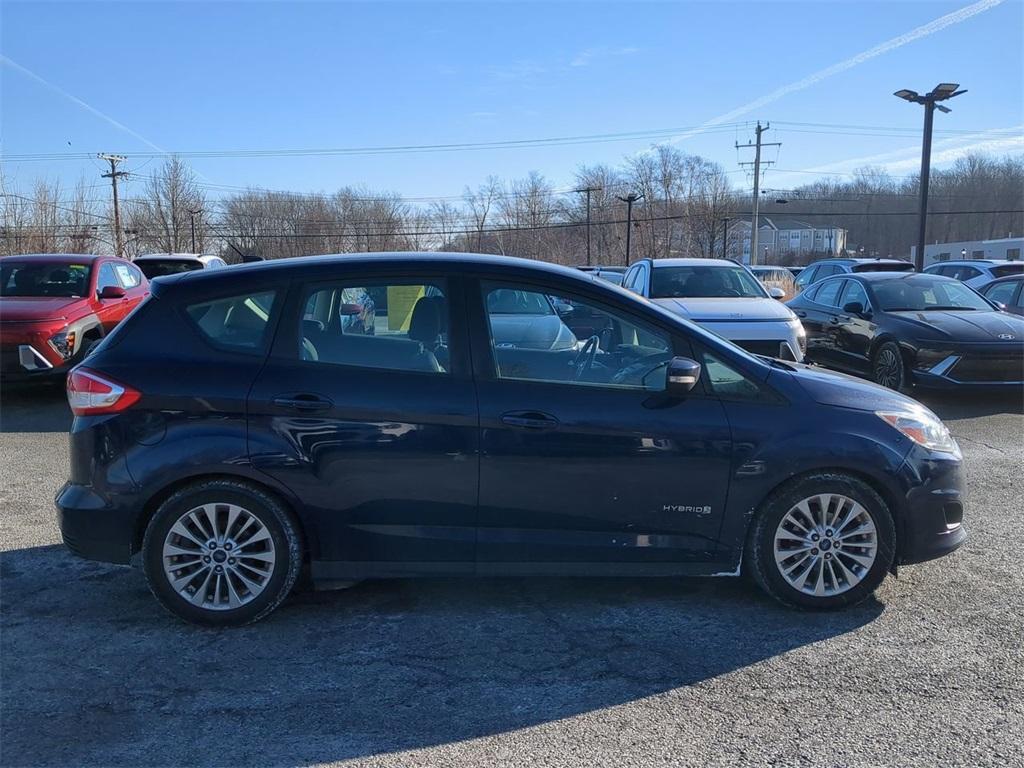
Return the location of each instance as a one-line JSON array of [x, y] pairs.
[[725, 297], [976, 272]]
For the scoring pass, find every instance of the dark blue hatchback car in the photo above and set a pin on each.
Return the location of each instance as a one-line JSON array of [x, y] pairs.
[[502, 417]]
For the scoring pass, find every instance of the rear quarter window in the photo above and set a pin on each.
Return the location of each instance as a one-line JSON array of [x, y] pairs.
[[238, 323]]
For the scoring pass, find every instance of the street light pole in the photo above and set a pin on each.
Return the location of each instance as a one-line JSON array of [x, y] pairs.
[[587, 191], [942, 92], [192, 221], [725, 237], [629, 199]]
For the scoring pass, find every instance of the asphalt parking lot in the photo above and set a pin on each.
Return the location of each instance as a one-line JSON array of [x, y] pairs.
[[517, 671]]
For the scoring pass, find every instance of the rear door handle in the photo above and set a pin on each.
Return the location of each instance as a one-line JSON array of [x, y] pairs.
[[302, 401], [534, 420]]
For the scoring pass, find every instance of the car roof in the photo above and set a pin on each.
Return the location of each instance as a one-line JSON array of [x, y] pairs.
[[66, 257], [859, 260], [326, 265], [171, 257], [692, 262], [878, 277], [972, 262]]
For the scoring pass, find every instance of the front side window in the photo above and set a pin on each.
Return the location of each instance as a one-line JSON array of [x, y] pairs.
[[238, 323], [854, 292], [399, 325], [107, 277], [1002, 292], [584, 343], [691, 282], [42, 278]]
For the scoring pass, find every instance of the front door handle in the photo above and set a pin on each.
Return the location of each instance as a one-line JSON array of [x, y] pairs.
[[801, 313], [302, 401], [533, 420]]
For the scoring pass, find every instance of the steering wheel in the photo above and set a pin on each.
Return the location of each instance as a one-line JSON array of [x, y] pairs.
[[585, 357]]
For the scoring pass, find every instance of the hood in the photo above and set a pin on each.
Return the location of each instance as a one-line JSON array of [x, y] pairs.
[[531, 332], [966, 326], [36, 309], [830, 388], [730, 310]]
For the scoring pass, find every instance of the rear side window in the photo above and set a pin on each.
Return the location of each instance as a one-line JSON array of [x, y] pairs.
[[129, 276], [1008, 269], [238, 323]]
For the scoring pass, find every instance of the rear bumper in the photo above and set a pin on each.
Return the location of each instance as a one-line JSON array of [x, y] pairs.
[[932, 521], [91, 527]]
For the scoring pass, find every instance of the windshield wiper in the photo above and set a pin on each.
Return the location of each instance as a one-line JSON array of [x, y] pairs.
[[950, 308]]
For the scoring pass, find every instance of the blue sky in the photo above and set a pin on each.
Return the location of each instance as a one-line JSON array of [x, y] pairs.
[[275, 75]]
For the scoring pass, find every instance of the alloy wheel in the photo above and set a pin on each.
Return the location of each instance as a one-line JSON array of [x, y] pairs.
[[218, 556], [825, 545], [889, 368]]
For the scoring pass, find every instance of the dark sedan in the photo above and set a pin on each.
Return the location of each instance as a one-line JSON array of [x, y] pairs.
[[1007, 292], [902, 329]]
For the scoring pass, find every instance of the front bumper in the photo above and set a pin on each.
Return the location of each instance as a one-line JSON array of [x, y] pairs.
[[931, 522], [980, 366], [91, 527]]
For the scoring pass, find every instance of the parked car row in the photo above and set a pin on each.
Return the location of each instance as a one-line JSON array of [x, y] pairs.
[[510, 417]]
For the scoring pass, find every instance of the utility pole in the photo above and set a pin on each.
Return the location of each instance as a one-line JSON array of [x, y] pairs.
[[629, 199], [757, 183], [192, 220], [114, 175], [587, 191], [725, 237]]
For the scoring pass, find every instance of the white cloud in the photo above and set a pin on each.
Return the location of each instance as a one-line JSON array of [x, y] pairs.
[[899, 41], [584, 58]]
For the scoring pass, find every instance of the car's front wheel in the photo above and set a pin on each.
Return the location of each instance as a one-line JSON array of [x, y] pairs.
[[888, 368], [823, 541], [221, 553]]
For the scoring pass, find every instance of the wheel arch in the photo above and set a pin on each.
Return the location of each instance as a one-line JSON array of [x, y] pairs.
[[164, 492], [891, 499]]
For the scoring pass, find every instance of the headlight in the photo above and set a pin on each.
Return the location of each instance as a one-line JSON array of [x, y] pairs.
[[64, 343], [801, 334], [923, 427]]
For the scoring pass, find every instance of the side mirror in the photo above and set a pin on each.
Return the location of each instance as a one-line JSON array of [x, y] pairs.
[[564, 309], [112, 292], [776, 293], [999, 305], [681, 376], [854, 308]]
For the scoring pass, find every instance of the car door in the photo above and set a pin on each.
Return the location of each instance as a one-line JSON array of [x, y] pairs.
[[375, 433], [109, 311], [818, 319], [584, 464], [854, 331]]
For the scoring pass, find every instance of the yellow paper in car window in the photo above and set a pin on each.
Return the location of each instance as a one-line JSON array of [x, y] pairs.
[[401, 301]]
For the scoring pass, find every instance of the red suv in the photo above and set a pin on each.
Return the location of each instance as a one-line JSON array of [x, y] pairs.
[[53, 307]]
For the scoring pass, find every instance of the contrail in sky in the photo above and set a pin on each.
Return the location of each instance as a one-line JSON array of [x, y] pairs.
[[889, 45], [87, 107]]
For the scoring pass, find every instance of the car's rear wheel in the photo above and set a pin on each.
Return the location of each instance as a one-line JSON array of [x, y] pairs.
[[888, 367], [221, 553], [823, 541]]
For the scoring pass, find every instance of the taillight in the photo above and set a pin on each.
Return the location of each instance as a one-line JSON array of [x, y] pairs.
[[90, 394]]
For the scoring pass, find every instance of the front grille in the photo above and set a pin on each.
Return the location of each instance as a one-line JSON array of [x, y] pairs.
[[765, 347], [996, 369]]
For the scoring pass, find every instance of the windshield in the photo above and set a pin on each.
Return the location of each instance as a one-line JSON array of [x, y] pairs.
[[1008, 269], [704, 282], [44, 278], [158, 267], [925, 293], [506, 301]]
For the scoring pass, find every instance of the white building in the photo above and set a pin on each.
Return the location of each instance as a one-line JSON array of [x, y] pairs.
[[783, 240], [1003, 248]]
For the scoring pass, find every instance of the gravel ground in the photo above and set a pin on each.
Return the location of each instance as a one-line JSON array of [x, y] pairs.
[[519, 671]]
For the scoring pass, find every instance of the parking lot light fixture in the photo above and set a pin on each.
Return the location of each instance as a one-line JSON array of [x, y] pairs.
[[941, 92]]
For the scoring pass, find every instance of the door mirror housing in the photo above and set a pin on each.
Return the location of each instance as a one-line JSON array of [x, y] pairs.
[[776, 293], [112, 292], [563, 308], [855, 308], [999, 305], [681, 375]]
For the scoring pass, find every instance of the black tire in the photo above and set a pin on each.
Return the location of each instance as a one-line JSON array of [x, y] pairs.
[[278, 522], [760, 554], [888, 367]]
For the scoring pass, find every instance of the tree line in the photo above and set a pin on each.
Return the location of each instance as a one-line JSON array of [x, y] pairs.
[[681, 202]]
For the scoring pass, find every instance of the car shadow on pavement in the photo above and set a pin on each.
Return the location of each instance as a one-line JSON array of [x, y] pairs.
[[953, 406], [35, 407], [96, 674]]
